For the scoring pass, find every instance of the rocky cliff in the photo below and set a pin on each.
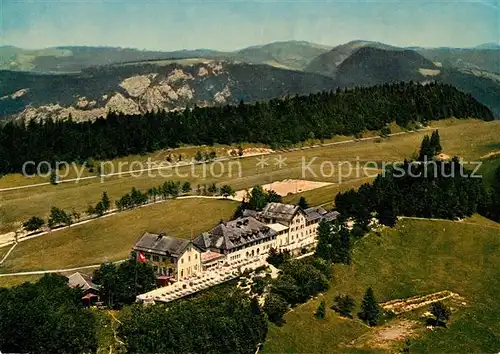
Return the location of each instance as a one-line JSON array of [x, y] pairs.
[[135, 89]]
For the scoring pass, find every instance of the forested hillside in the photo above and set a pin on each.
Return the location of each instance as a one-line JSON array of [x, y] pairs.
[[139, 88], [278, 122], [373, 66], [427, 189]]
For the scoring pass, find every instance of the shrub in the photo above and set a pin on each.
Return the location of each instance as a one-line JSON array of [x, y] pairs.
[[321, 310], [275, 307], [344, 304]]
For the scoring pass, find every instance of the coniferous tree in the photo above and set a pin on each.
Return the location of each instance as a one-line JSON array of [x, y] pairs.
[[491, 208], [227, 191], [441, 312], [258, 198], [344, 305], [34, 223], [186, 187], [324, 245], [345, 246], [370, 311], [58, 216], [321, 310], [106, 203], [212, 189], [53, 177], [273, 197], [426, 150], [303, 203], [435, 143]]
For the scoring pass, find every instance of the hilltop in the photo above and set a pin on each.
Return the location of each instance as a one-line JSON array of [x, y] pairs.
[[328, 62], [364, 63], [372, 66], [417, 257], [294, 55]]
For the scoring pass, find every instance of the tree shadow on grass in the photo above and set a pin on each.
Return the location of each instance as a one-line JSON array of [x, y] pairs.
[[435, 323]]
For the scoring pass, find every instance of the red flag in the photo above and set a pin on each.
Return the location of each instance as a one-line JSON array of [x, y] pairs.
[[141, 257]]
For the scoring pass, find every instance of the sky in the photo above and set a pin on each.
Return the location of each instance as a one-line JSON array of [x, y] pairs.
[[232, 24]]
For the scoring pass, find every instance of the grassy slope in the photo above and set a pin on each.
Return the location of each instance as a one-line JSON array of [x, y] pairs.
[[8, 282], [470, 139], [417, 257], [112, 238]]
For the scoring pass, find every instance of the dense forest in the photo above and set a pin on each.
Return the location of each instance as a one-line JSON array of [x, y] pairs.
[[223, 321], [48, 317], [278, 122], [432, 189]]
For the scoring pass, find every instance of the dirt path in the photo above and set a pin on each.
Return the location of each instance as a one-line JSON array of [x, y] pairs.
[[9, 238], [8, 253], [41, 272]]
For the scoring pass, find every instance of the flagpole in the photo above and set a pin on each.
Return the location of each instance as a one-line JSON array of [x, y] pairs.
[[135, 279]]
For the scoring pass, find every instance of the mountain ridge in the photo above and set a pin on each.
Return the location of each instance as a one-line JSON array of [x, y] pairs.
[[135, 81], [137, 89]]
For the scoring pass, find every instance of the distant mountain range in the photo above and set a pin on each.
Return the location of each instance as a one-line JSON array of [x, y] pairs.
[[86, 82], [293, 55]]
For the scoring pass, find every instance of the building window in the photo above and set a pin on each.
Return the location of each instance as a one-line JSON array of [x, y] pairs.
[[182, 260], [189, 258]]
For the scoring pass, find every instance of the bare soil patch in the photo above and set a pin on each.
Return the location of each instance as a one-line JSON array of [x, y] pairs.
[[288, 186], [389, 336], [250, 151], [443, 157], [398, 331], [399, 306]]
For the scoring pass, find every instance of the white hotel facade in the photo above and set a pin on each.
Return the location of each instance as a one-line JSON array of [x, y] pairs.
[[279, 226]]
